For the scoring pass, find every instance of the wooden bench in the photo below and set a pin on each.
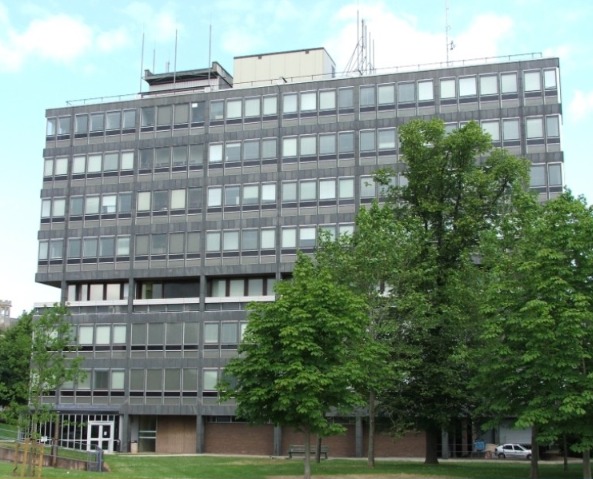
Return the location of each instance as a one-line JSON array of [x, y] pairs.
[[299, 450]]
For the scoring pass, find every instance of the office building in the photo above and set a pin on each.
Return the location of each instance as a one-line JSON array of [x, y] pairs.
[[165, 214]]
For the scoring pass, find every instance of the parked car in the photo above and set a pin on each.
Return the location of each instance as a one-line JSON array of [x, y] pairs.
[[513, 451]]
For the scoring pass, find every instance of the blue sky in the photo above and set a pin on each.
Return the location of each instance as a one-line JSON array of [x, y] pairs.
[[52, 51]]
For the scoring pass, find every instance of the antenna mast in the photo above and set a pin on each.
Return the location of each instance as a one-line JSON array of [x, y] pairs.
[[449, 45], [362, 60]]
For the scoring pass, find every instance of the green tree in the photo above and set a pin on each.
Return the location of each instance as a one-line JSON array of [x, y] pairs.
[[539, 328], [458, 188], [295, 362], [366, 262], [15, 352]]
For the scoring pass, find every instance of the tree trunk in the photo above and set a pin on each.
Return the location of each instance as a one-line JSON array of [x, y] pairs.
[[587, 464], [307, 461], [371, 449], [534, 454], [318, 450], [565, 452], [54, 442], [432, 442]]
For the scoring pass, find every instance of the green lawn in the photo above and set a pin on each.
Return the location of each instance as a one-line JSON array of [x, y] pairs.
[[216, 467]]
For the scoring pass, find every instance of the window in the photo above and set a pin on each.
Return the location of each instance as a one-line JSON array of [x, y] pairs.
[[346, 142], [268, 193], [234, 109], [216, 110], [367, 140], [129, 119], [215, 153], [196, 155], [146, 159], [289, 192], [327, 189], [269, 148], [127, 160], [289, 237], [76, 205], [289, 147], [538, 175], [124, 203], [197, 113], [108, 204], [251, 150], [94, 164], [248, 240], [367, 96], [308, 190], [160, 200], [211, 329], [210, 379], [91, 206], [113, 120], [250, 195], [550, 82], [307, 237], [533, 81], [230, 241], [147, 117], [214, 197], [232, 195], [308, 145], [406, 92], [425, 90], [489, 85], [270, 105], [89, 247], [122, 246], [327, 144], [81, 124], [158, 244], [43, 251], [232, 152], [213, 241], [79, 165], [448, 88], [346, 188], [117, 380], [179, 156], [97, 122], [111, 162], [143, 202], [327, 100], [535, 128], [309, 101], [552, 126], [508, 83], [268, 238], [555, 174], [467, 86], [176, 243], [289, 103], [252, 107], [181, 113], [367, 187], [177, 199], [51, 127], [346, 98], [107, 247], [386, 94], [386, 139], [74, 247], [510, 130], [493, 128]]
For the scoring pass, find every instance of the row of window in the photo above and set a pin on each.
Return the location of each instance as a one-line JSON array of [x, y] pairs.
[[174, 381], [233, 153], [307, 103]]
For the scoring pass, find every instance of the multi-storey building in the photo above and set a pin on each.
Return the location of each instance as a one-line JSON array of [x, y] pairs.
[[164, 215]]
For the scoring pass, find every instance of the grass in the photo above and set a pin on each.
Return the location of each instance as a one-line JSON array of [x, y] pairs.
[[219, 467]]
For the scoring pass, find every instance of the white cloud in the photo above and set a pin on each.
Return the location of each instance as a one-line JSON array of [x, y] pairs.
[[581, 105], [159, 26], [58, 38], [109, 41]]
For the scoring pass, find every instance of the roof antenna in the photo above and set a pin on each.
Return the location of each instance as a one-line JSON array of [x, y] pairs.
[[449, 45], [142, 61]]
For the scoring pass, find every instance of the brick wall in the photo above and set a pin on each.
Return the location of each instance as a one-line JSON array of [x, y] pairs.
[[238, 438], [176, 435]]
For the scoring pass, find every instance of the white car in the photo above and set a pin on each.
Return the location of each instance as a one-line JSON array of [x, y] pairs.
[[513, 451]]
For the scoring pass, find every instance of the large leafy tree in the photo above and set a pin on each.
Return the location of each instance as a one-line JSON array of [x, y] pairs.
[[298, 357], [458, 188], [366, 262], [15, 352], [539, 329]]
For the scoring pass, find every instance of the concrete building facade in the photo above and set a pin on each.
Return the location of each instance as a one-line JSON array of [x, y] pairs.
[[164, 215]]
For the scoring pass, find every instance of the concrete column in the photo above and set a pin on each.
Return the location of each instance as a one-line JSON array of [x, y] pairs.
[[445, 453], [277, 449], [358, 436], [199, 434]]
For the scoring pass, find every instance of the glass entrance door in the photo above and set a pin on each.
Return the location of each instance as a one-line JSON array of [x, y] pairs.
[[100, 434]]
